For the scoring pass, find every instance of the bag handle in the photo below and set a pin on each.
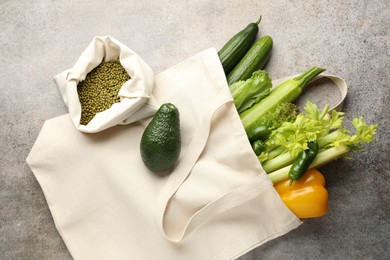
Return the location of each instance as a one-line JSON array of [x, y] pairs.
[[229, 200], [343, 89], [183, 169]]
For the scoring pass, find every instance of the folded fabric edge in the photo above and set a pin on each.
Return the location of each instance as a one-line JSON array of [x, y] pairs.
[[44, 188], [52, 211]]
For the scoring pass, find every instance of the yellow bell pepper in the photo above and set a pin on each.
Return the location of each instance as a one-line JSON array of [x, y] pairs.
[[306, 197]]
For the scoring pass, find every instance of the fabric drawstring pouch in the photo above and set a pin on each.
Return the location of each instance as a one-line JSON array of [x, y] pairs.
[[134, 93], [216, 203]]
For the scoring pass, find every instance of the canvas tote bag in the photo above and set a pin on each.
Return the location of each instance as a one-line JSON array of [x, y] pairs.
[[217, 203]]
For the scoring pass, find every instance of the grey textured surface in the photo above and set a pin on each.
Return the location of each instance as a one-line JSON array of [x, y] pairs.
[[40, 38]]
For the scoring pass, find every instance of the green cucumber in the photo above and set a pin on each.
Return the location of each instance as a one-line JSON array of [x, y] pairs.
[[255, 59], [232, 52]]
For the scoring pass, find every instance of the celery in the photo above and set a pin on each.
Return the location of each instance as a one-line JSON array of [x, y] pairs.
[[277, 162], [274, 163], [322, 158], [332, 138]]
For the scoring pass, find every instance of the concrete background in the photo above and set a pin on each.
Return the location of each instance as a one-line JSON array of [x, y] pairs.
[[40, 38]]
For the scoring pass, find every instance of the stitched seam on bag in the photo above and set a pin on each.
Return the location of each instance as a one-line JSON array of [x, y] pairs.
[[243, 142]]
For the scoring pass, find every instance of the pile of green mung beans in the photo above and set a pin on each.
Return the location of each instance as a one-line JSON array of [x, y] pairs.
[[99, 90]]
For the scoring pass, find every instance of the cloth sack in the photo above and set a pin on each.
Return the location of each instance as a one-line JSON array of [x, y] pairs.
[[133, 94], [217, 203]]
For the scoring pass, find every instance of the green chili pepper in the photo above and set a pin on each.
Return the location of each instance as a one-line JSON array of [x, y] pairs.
[[259, 147], [303, 161]]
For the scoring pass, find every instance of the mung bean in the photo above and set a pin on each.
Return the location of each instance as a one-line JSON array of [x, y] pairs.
[[99, 90]]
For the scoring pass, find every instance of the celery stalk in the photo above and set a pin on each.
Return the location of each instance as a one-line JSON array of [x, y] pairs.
[[277, 162], [280, 160], [276, 152], [321, 159], [329, 138], [333, 139]]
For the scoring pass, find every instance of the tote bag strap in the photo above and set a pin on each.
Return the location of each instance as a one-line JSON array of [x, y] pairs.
[[188, 161], [343, 89], [229, 200]]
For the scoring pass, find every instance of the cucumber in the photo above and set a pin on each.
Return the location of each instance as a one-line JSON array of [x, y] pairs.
[[232, 52], [255, 59]]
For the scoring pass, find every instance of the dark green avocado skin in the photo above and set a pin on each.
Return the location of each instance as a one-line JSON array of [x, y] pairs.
[[161, 141]]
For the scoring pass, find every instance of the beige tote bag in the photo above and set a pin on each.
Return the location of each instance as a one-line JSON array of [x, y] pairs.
[[217, 203]]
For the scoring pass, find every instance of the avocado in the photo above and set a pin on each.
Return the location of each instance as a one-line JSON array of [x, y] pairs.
[[161, 140]]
